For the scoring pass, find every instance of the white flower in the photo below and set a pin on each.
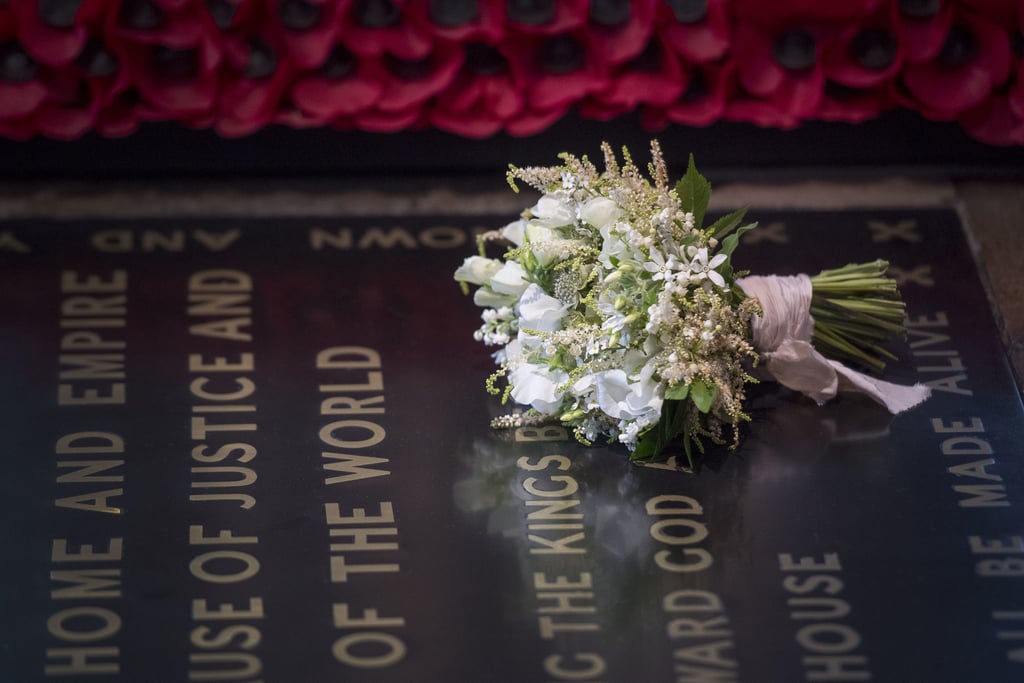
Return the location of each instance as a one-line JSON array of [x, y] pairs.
[[510, 279], [554, 212], [514, 232], [701, 268], [537, 386], [488, 298], [477, 270], [600, 212], [538, 311], [612, 245], [622, 399], [665, 269]]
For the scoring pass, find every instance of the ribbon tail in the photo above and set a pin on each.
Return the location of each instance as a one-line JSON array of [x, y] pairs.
[[797, 366], [896, 397]]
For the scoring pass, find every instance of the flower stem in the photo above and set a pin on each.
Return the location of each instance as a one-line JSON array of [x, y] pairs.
[[857, 308]]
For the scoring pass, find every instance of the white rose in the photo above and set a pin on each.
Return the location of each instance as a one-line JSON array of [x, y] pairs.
[[600, 212], [538, 311], [477, 270]]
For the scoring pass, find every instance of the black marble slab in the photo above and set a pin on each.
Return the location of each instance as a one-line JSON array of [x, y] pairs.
[[258, 450]]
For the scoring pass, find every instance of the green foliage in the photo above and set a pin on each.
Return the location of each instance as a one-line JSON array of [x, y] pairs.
[[694, 193]]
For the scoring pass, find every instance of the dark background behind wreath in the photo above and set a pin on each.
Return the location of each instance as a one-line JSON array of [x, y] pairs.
[[897, 143]]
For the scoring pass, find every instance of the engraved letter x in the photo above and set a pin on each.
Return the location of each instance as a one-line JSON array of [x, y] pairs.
[[906, 230], [920, 275]]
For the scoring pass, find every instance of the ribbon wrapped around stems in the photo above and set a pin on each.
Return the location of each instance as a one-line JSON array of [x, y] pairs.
[[782, 336]]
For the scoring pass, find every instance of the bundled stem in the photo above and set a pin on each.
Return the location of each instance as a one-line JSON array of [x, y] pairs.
[[856, 309]]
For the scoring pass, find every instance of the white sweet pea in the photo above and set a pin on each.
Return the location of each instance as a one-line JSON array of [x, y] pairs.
[[537, 386], [485, 297], [612, 246], [510, 279], [477, 270], [514, 232], [538, 311], [600, 212], [538, 232], [545, 244], [553, 211], [621, 399]]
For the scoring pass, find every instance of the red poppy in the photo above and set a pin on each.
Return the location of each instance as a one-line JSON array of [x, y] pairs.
[[975, 59], [72, 105], [293, 117], [559, 70], [485, 94], [866, 53], [1003, 12], [459, 21], [169, 52], [654, 78], [698, 31], [372, 28], [55, 33], [545, 17], [996, 122], [344, 85], [853, 105], [780, 70], [533, 121], [620, 31], [923, 27], [254, 76], [22, 91], [999, 120], [410, 83], [708, 88], [380, 121], [788, 11], [309, 28]]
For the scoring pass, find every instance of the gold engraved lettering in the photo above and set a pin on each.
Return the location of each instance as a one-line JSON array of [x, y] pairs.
[[84, 661], [678, 531], [9, 242], [87, 366], [973, 445], [583, 666], [829, 644], [226, 644]]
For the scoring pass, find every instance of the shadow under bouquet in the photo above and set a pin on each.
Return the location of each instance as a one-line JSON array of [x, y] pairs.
[[620, 316]]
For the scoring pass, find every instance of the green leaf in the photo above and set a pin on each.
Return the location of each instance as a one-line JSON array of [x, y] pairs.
[[694, 193], [677, 393], [649, 445], [688, 449], [730, 243], [652, 442], [726, 224], [703, 394]]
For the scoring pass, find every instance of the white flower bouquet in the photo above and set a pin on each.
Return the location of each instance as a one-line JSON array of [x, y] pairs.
[[619, 314]]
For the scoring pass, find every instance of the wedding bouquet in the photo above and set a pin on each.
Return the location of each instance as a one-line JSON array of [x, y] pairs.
[[619, 314]]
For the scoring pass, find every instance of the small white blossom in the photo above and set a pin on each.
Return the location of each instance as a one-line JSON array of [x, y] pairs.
[[703, 269]]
